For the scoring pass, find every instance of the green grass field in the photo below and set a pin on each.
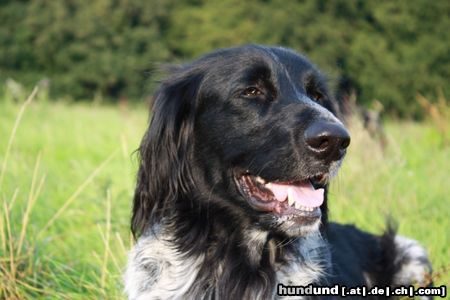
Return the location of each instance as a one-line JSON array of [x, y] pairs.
[[67, 178]]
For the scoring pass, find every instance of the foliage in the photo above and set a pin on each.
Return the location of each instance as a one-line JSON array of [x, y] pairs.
[[388, 50], [84, 47]]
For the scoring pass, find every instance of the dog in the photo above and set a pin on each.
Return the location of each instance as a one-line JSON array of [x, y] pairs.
[[231, 193]]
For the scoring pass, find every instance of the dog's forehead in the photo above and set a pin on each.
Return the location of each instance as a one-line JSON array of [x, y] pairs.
[[295, 64], [256, 58], [285, 61]]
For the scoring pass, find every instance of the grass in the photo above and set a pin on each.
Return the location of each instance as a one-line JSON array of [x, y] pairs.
[[65, 199], [67, 178]]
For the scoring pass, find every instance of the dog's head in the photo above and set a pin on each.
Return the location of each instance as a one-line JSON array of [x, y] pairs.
[[245, 133]]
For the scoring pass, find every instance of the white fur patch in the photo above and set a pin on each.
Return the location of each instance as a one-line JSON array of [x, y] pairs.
[[156, 271], [412, 259], [308, 267], [255, 240]]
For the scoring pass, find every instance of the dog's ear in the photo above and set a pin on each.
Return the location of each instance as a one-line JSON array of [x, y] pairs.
[[164, 174]]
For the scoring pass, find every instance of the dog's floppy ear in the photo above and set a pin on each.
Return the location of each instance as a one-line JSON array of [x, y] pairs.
[[164, 174]]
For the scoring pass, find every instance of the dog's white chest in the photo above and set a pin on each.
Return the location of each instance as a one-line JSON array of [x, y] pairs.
[[156, 271]]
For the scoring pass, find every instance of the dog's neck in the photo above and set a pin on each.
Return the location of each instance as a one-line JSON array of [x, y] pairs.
[[197, 253], [238, 263]]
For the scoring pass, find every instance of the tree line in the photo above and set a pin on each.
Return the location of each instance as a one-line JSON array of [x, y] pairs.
[[384, 50]]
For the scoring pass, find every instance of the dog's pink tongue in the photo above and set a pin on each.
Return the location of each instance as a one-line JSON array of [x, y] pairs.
[[303, 193]]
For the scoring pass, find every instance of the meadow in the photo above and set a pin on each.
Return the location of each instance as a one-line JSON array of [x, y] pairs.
[[67, 179]]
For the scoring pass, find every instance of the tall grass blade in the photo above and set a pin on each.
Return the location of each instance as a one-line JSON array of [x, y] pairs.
[[32, 196], [13, 133], [106, 242], [76, 193]]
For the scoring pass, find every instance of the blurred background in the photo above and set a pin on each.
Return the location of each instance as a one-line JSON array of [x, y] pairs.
[[385, 50], [75, 77]]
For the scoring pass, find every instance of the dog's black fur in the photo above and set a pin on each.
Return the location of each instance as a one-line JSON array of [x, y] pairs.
[[243, 111]]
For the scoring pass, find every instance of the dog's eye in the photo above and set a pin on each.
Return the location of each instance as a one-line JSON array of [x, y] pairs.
[[252, 92]]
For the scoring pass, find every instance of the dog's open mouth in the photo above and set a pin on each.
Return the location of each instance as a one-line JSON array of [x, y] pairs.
[[299, 200]]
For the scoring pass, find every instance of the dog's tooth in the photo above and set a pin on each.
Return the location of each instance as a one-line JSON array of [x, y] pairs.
[[269, 185], [260, 180], [291, 199], [297, 205]]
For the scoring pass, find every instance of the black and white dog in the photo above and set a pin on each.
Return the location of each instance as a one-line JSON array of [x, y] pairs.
[[231, 195]]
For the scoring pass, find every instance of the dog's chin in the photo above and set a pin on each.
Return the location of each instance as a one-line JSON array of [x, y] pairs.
[[293, 228], [291, 207]]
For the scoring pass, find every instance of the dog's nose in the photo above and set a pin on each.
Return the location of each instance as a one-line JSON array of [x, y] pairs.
[[327, 140]]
